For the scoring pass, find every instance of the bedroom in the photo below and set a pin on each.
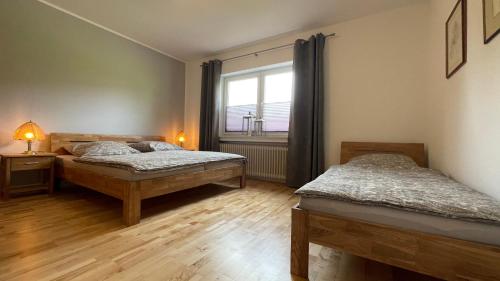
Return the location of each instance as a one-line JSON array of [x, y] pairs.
[[85, 71]]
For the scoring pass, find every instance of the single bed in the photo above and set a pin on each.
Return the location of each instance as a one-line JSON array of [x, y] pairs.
[[415, 239], [130, 185]]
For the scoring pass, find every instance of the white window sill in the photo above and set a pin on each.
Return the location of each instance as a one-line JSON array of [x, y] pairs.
[[271, 139]]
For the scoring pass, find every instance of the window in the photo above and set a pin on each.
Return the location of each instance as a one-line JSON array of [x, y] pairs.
[[242, 97], [264, 94]]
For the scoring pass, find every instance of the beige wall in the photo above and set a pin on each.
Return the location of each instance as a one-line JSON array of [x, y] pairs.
[[464, 111], [70, 76], [375, 78]]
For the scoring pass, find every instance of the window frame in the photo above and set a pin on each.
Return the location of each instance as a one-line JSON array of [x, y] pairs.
[[260, 74]]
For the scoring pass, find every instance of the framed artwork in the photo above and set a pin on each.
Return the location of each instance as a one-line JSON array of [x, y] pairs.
[[491, 19], [456, 38]]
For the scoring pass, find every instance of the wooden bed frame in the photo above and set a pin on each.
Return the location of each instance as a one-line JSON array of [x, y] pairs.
[[434, 255], [132, 192]]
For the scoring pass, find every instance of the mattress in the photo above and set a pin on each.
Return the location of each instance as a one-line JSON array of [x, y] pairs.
[[67, 161], [458, 229], [159, 160], [393, 182]]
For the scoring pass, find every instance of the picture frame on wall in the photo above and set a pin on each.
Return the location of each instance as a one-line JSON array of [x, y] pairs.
[[456, 38], [491, 19]]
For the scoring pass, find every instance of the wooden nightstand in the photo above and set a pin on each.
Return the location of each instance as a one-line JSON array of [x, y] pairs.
[[14, 165]]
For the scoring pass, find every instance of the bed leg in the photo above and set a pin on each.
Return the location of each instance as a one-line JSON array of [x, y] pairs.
[[299, 254], [131, 204], [57, 183], [243, 177]]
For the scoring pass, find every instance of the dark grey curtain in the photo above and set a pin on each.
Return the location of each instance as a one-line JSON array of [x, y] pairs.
[[305, 136], [210, 102]]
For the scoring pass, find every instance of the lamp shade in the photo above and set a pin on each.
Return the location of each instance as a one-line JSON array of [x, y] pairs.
[[29, 131]]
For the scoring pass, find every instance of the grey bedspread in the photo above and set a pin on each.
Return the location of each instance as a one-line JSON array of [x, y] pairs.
[[404, 187], [159, 160]]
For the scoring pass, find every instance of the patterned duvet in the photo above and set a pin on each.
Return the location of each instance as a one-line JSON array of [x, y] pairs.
[[394, 183], [159, 160]]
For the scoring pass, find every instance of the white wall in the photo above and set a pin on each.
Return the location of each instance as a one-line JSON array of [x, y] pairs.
[[464, 111], [375, 78], [70, 76], [385, 81]]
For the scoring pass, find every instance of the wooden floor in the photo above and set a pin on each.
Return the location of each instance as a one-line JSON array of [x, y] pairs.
[[209, 233]]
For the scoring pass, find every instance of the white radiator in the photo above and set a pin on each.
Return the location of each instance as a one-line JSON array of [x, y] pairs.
[[264, 161]]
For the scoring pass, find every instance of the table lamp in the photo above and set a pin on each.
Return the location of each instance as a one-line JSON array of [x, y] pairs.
[[29, 132], [181, 138]]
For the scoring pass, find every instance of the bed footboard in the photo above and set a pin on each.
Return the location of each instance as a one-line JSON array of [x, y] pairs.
[[438, 256], [132, 192]]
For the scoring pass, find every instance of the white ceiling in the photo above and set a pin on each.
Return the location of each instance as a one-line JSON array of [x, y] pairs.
[[190, 29]]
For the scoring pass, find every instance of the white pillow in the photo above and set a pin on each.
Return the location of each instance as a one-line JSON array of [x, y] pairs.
[[102, 148], [384, 160]]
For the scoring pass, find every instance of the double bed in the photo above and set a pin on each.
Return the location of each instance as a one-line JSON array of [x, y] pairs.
[[132, 178], [403, 215]]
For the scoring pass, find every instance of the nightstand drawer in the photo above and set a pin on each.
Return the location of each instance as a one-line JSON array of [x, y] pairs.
[[30, 163]]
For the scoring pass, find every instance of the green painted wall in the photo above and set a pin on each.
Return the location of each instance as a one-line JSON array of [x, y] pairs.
[[70, 76]]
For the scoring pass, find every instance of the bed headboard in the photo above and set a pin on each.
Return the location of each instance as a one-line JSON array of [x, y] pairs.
[[416, 151], [59, 140]]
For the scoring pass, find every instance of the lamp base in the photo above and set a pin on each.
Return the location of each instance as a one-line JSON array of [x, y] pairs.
[[29, 151]]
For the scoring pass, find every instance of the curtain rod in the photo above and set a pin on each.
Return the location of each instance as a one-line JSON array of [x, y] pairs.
[[267, 50]]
